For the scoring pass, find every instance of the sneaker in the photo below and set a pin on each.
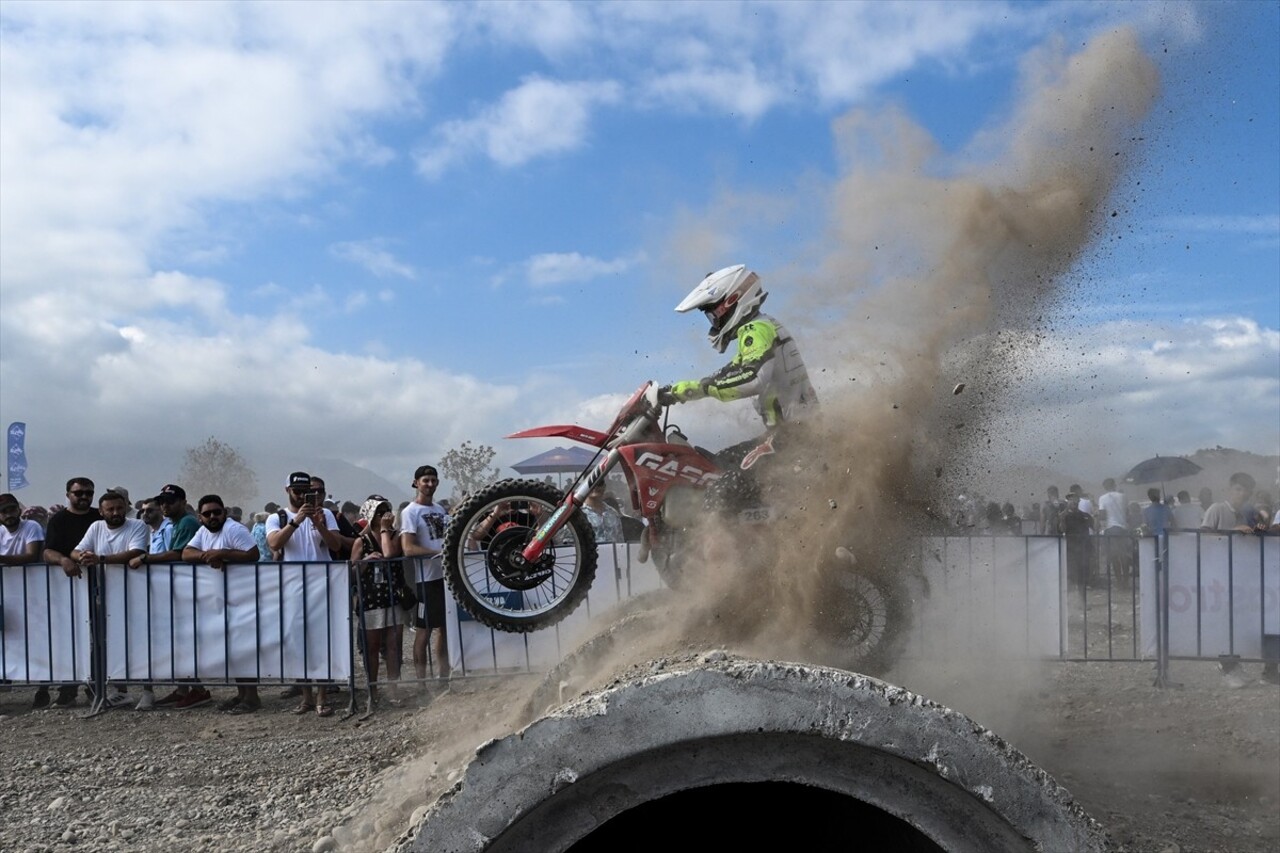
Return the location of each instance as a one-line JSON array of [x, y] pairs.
[[245, 707], [41, 699], [147, 702], [197, 697], [291, 692], [226, 706], [174, 696], [66, 696], [117, 699]]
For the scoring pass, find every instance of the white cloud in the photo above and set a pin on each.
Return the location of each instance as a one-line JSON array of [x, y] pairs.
[[562, 268], [736, 91], [1110, 395], [537, 118], [374, 257]]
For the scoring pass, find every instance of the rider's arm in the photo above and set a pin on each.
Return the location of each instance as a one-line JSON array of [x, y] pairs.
[[757, 342]]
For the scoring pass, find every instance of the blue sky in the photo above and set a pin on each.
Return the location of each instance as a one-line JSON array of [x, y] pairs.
[[371, 232]]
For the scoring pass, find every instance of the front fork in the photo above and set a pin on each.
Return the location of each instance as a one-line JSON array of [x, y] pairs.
[[549, 528]]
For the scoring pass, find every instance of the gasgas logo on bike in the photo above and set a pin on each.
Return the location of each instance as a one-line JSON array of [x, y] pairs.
[[671, 467]]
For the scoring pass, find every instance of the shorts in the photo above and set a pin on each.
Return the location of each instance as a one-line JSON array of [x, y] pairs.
[[382, 617], [430, 604]]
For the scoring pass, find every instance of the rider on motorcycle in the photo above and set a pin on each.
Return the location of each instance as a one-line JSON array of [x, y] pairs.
[[767, 365]]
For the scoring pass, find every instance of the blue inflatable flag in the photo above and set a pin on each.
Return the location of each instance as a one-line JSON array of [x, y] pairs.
[[17, 456]]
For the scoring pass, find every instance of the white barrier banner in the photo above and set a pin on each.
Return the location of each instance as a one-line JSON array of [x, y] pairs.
[[990, 596], [44, 624], [1224, 593], [269, 620], [474, 647]]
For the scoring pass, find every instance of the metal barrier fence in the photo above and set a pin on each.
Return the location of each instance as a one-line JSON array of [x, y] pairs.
[[1189, 595], [283, 623]]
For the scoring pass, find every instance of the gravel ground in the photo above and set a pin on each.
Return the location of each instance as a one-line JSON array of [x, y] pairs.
[[1189, 769]]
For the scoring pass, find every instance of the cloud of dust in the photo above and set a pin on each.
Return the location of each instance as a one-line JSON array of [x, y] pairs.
[[929, 270]]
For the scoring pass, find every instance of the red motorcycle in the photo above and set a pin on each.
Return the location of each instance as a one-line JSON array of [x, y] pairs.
[[519, 555]]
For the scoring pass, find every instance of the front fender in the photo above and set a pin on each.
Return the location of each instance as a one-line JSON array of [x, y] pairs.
[[573, 432]]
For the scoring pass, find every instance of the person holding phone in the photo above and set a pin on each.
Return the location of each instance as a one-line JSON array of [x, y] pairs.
[[305, 533]]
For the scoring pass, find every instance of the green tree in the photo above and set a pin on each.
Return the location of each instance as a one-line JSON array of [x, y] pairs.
[[217, 468], [468, 467]]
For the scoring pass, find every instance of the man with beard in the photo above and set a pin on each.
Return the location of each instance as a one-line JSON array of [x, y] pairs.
[[222, 541], [21, 542], [347, 532], [305, 533], [180, 527], [66, 528], [116, 539], [165, 546]]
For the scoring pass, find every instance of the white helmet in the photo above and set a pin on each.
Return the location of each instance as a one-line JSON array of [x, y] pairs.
[[729, 297]]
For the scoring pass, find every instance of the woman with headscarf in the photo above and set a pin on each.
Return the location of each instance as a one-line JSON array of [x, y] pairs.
[[381, 591]]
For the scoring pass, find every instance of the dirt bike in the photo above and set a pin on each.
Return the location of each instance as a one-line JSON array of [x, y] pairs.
[[520, 555]]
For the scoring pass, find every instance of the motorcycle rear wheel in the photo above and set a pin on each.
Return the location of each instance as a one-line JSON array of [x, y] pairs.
[[870, 620], [487, 575]]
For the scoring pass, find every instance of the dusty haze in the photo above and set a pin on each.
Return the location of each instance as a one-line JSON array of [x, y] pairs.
[[932, 271]]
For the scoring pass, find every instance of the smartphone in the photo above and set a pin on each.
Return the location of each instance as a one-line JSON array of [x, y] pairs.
[[313, 499]]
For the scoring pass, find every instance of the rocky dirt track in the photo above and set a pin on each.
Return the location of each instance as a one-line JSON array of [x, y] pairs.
[[1190, 769]]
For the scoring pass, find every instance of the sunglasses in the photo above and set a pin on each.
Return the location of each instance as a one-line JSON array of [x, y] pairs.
[[212, 513], [81, 493]]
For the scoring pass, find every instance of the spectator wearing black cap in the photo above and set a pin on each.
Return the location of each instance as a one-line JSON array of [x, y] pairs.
[[165, 546], [172, 501], [422, 525], [21, 541], [306, 532]]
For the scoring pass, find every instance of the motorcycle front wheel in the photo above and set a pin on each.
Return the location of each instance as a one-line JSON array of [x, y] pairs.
[[488, 576]]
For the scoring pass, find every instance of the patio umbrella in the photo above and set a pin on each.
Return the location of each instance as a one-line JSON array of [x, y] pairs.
[[1160, 469], [557, 460]]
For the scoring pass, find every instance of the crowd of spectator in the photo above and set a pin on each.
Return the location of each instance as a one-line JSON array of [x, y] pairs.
[[1114, 513], [310, 526]]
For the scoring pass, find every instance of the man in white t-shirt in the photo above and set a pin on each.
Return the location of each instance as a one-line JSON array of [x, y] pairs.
[[422, 525], [116, 539], [220, 542], [21, 540], [305, 532], [1114, 510]]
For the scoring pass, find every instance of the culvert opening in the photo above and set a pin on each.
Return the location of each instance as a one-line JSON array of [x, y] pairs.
[[730, 816], [693, 753]]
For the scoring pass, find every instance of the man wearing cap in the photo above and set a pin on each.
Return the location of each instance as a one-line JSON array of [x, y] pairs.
[[306, 532], [66, 528], [165, 546], [422, 525], [169, 540], [21, 542]]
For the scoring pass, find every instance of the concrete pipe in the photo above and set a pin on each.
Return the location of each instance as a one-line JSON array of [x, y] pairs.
[[721, 752]]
